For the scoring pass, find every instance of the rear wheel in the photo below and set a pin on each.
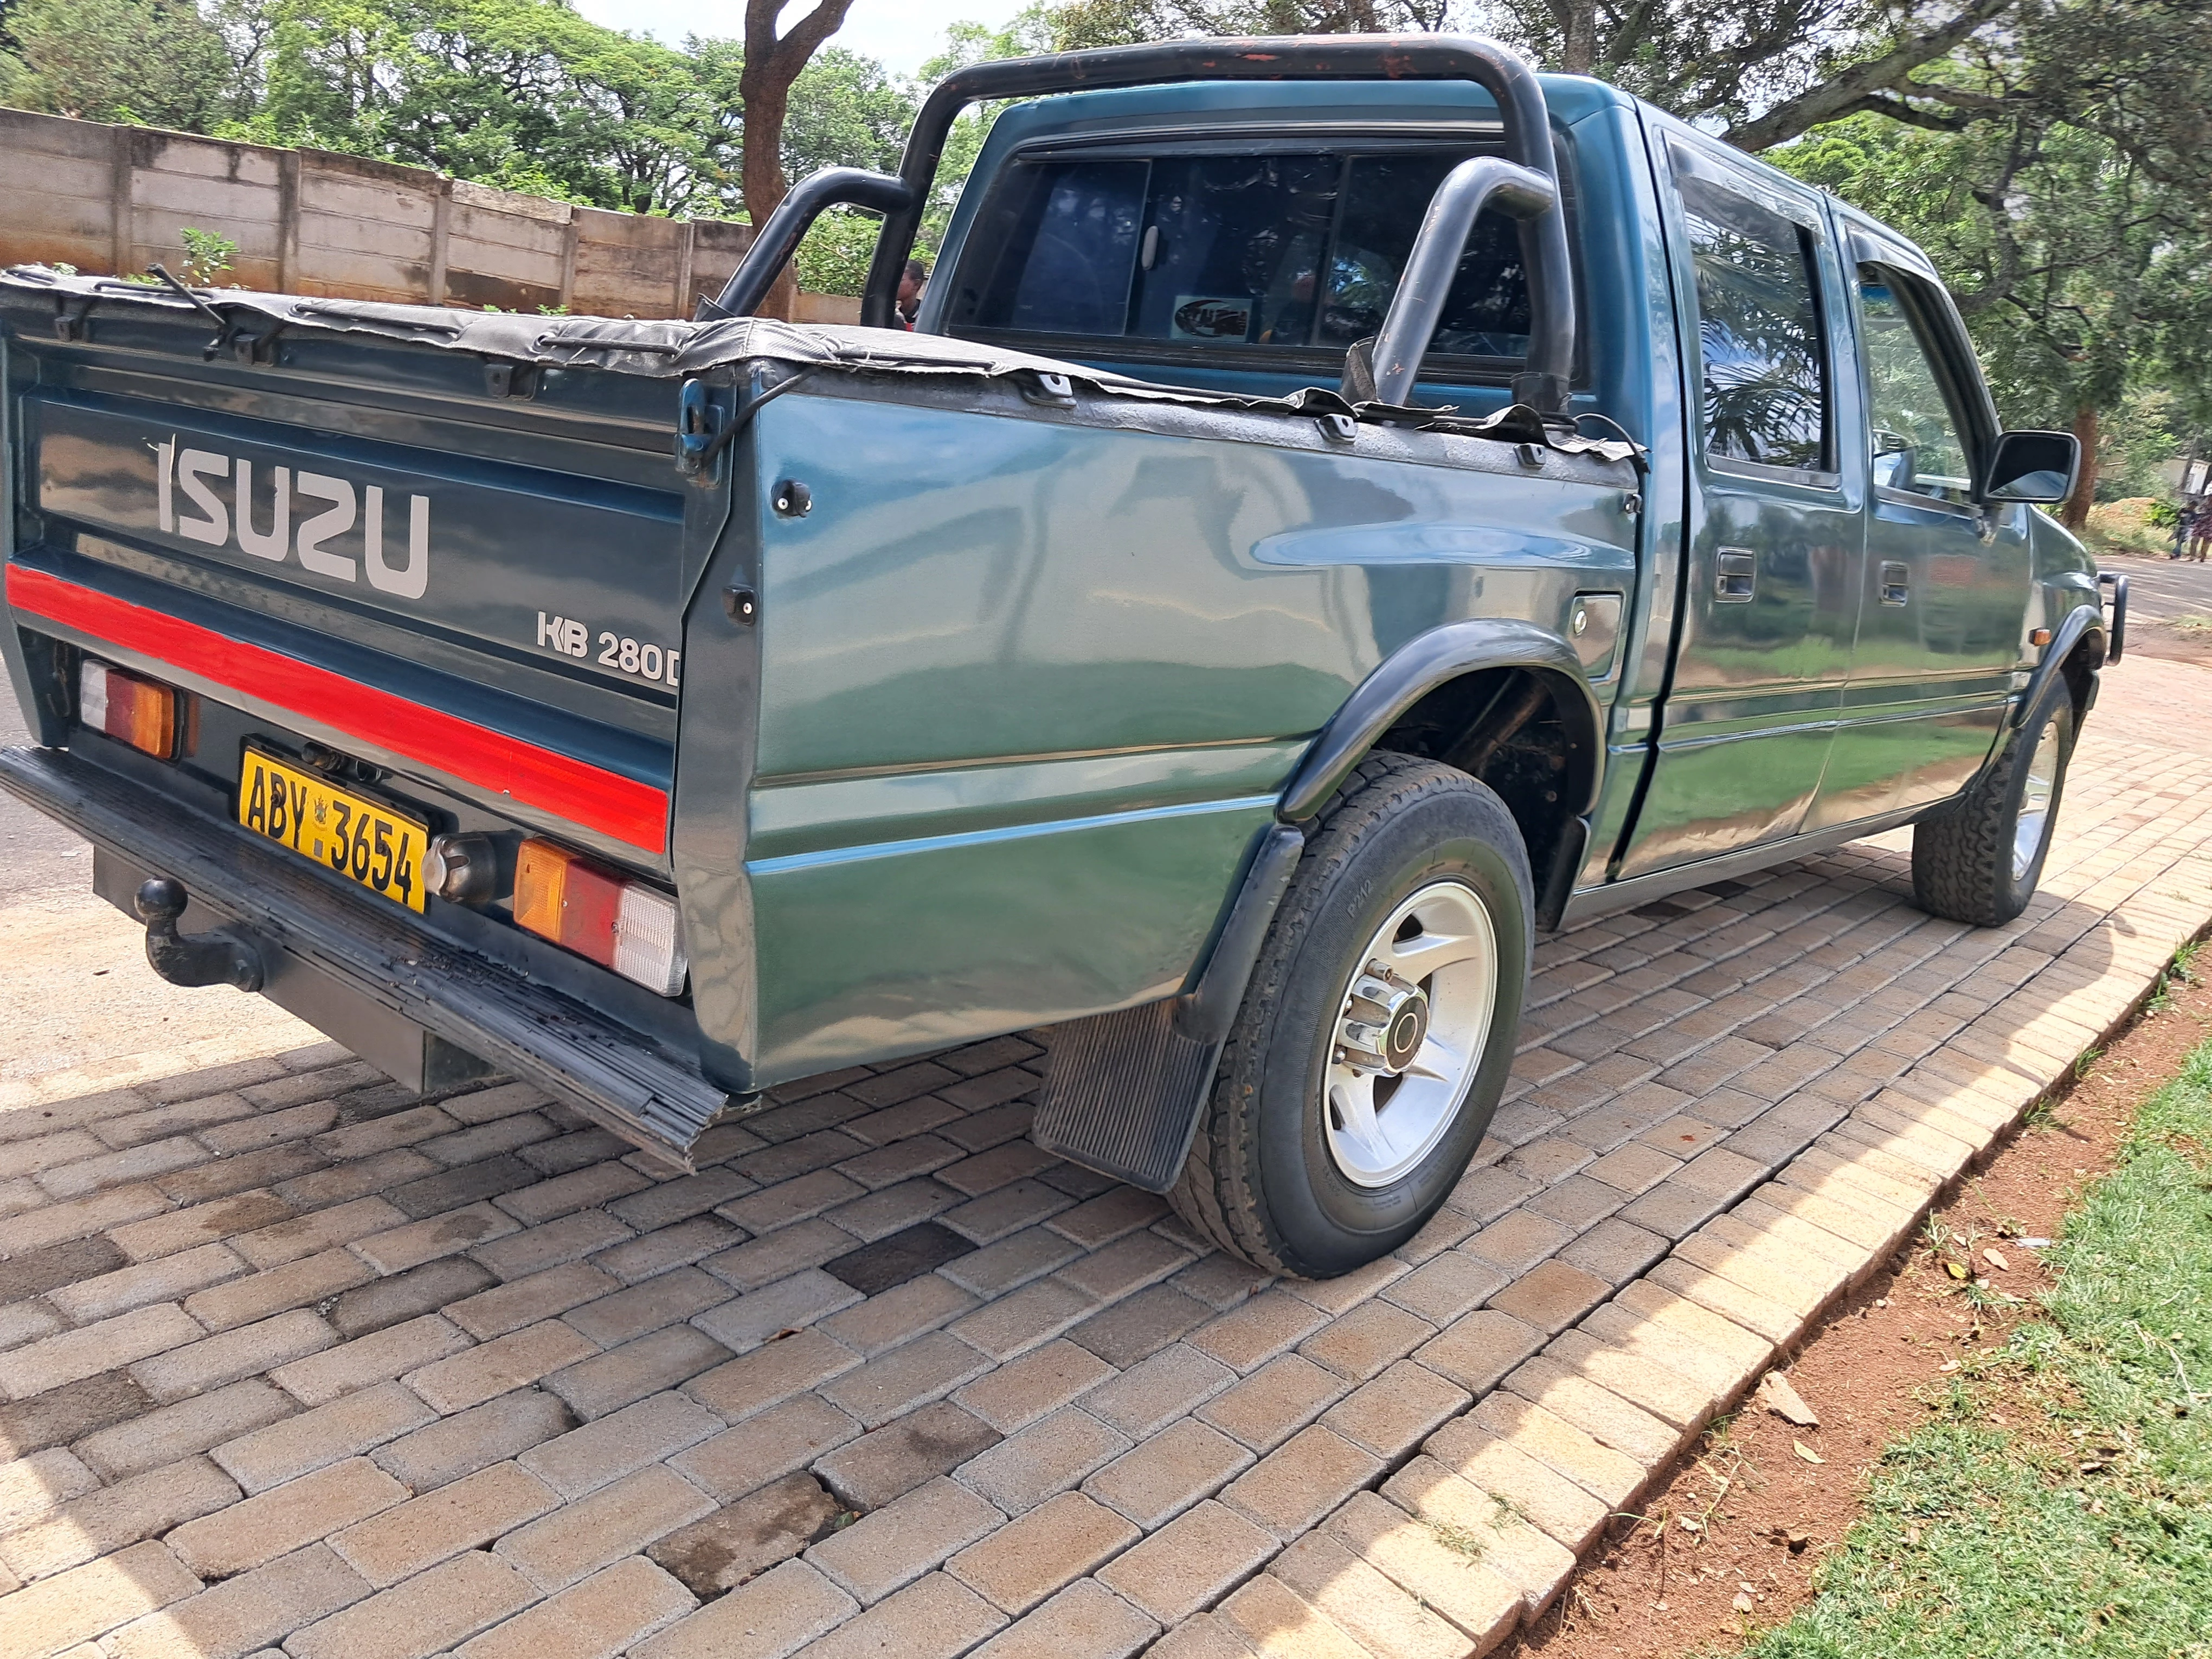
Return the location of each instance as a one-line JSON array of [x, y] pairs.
[[1979, 859], [1378, 1031]]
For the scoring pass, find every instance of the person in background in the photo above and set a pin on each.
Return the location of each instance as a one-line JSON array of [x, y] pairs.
[[2200, 530], [909, 292]]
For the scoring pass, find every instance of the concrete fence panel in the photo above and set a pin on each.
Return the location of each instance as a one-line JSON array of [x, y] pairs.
[[116, 199]]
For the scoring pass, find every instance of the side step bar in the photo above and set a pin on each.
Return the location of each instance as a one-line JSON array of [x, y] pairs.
[[531, 1031]]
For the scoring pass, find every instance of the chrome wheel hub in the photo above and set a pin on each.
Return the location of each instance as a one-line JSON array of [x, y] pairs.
[[2034, 820], [1411, 1030]]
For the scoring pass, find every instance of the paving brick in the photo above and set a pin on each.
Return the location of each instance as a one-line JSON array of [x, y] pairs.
[[1190, 1563], [771, 1618], [873, 1470], [1275, 1401], [449, 1234], [748, 1321], [509, 1307], [1519, 1544], [1124, 1267], [270, 1167], [165, 1234], [464, 1514], [318, 1189], [1086, 1620], [89, 1174], [893, 1384], [603, 1450], [282, 1520], [572, 1237], [778, 1255], [55, 1614], [998, 1212], [1265, 1617], [347, 1427], [1477, 1351], [300, 1283], [744, 1540], [1515, 1484], [1751, 1350], [1483, 1604], [1021, 1319], [408, 1296], [1370, 1606], [1391, 1414], [1611, 1477], [1101, 1220], [1247, 1337], [668, 1202], [1518, 1240], [1049, 1456], [283, 1241], [381, 1134], [886, 1551], [1169, 1471], [490, 1433], [31, 1271], [1596, 1411], [1019, 1392], [138, 1438], [891, 1316], [252, 1611], [26, 1321], [430, 1614], [168, 1278], [756, 1381], [597, 1530], [101, 1520], [72, 1356], [213, 1361], [1012, 1260], [765, 1447], [1292, 1487], [1448, 1285], [877, 1215], [648, 1365], [1552, 1296], [322, 1377], [575, 1189], [490, 1368], [787, 1201], [613, 1608], [1614, 1250], [34, 1487], [1032, 1557], [1141, 1326], [938, 1618], [1363, 1341]]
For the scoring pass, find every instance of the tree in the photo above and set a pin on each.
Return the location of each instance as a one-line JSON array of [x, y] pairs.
[[158, 63], [773, 64]]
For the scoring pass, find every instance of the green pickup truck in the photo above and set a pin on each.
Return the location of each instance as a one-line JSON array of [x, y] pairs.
[[1348, 505]]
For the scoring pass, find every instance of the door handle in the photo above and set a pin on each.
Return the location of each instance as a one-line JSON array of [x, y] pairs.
[[1896, 582], [1735, 573]]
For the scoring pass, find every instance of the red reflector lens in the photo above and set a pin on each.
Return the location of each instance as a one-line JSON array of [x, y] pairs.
[[588, 908], [128, 708]]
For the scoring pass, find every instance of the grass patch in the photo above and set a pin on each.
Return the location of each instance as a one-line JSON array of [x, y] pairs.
[[2058, 1500]]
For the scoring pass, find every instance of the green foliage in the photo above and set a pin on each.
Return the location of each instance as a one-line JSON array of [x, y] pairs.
[[2091, 1531], [834, 258], [209, 255], [153, 63]]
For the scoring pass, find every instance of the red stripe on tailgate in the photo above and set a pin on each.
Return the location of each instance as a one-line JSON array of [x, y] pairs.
[[631, 812]]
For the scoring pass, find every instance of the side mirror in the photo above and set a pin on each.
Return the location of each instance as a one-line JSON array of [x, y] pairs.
[[2031, 466]]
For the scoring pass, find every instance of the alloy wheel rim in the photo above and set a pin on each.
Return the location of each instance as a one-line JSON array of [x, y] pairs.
[[1412, 1022], [2034, 820]]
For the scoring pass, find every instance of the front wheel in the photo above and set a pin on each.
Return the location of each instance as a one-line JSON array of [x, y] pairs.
[[1979, 859], [1378, 1031]]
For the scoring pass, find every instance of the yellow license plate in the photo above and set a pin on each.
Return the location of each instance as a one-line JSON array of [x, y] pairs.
[[360, 838]]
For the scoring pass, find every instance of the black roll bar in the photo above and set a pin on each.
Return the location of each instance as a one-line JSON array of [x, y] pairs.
[[1418, 304], [1498, 70], [788, 226]]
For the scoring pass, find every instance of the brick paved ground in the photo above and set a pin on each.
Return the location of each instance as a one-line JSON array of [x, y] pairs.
[[289, 1358]]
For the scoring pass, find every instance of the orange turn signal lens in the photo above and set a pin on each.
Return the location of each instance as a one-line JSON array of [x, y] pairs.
[[582, 906], [128, 708], [2040, 637]]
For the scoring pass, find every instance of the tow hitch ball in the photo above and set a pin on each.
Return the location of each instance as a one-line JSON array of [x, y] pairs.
[[226, 957]]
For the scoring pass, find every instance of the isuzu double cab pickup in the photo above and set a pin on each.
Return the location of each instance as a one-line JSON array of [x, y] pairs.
[[1347, 506]]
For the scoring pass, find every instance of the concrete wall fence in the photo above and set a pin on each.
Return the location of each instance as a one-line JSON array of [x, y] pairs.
[[114, 199]]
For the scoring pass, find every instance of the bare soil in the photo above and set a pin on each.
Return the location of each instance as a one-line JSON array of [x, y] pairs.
[[1727, 1543]]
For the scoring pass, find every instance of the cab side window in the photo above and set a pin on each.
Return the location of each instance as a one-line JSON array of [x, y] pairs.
[[1914, 425], [1765, 392]]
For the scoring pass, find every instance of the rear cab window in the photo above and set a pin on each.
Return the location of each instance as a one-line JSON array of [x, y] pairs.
[[1274, 260]]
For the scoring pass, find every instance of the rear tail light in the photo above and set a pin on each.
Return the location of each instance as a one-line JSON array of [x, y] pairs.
[[599, 912], [130, 710]]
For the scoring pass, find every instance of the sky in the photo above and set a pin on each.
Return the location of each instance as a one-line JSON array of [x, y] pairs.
[[902, 33]]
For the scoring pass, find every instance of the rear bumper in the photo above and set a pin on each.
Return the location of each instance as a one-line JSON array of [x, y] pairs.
[[542, 1036]]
